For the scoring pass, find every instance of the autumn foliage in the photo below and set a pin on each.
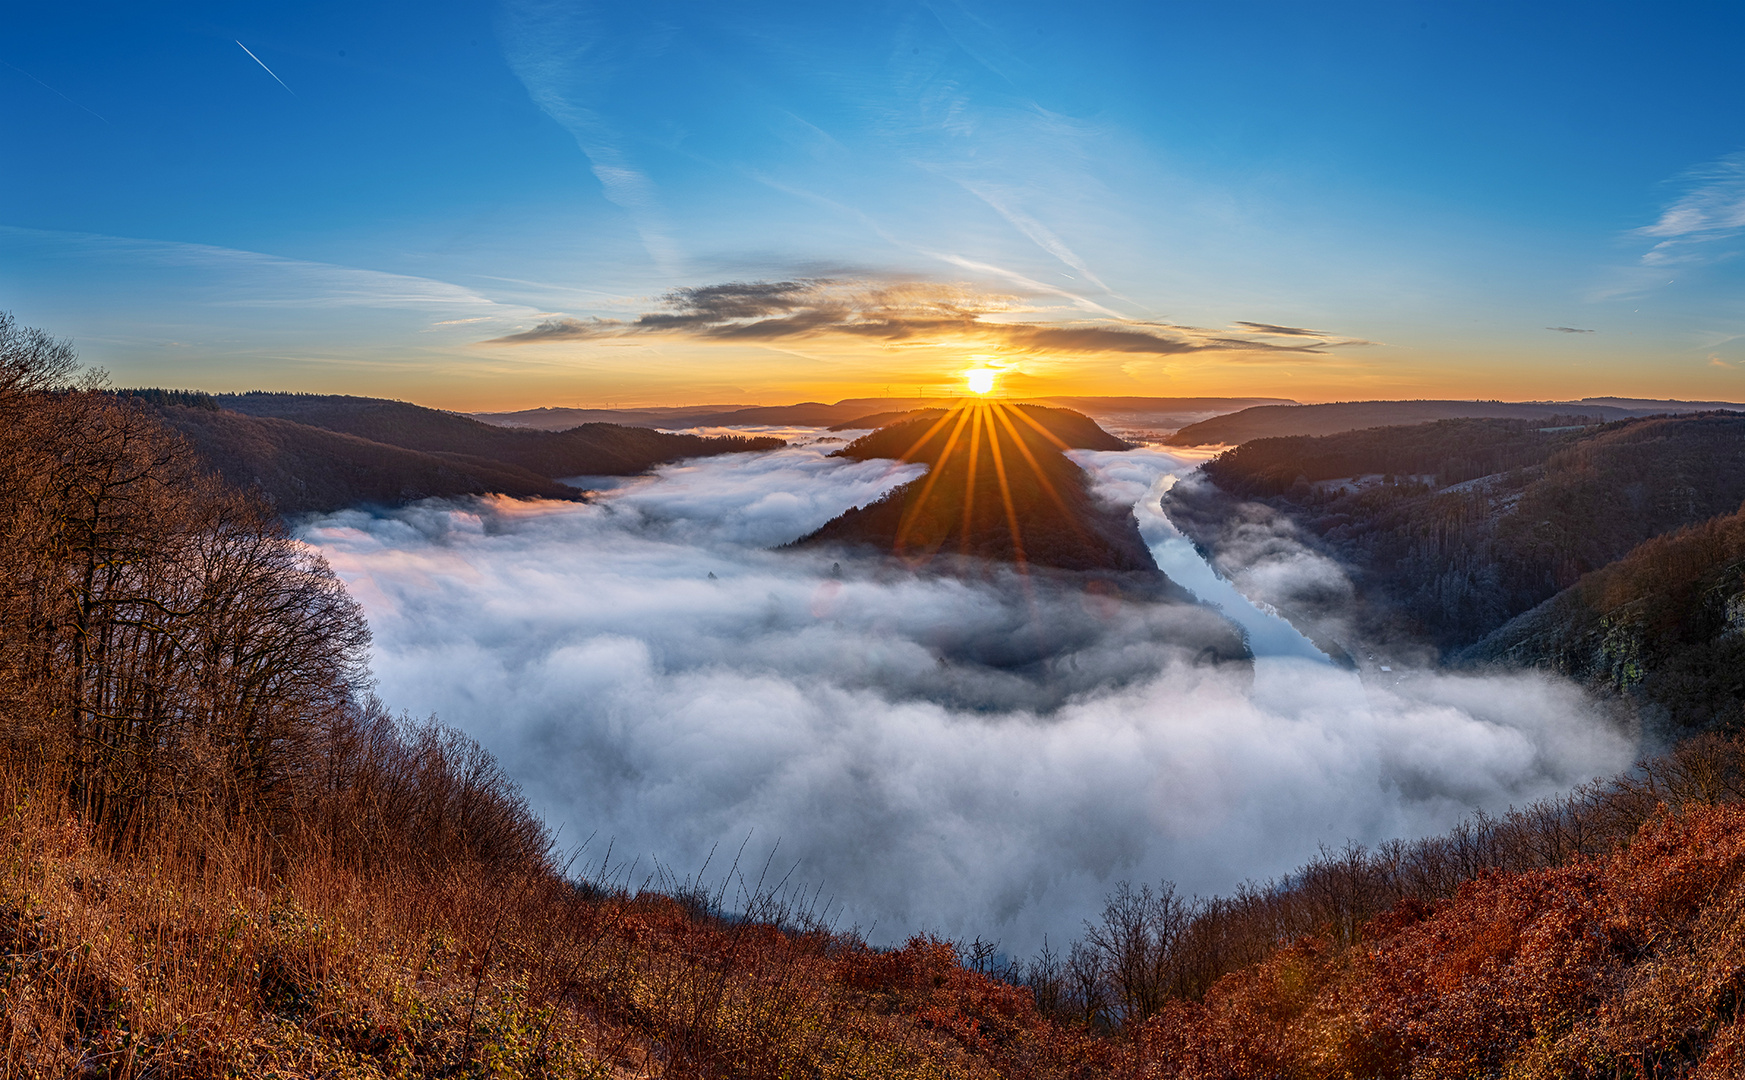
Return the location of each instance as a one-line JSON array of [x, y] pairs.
[[1629, 964]]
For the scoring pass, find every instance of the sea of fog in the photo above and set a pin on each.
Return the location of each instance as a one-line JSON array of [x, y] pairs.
[[659, 679]]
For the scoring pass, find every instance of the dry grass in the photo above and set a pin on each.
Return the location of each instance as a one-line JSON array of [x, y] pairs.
[[211, 955], [179, 960]]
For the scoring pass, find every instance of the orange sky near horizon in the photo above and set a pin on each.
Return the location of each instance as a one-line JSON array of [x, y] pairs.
[[640, 376]]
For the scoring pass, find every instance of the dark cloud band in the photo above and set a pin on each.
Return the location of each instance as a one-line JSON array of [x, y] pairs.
[[1280, 331], [906, 311]]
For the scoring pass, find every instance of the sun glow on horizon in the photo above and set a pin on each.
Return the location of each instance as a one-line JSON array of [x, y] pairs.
[[981, 380]]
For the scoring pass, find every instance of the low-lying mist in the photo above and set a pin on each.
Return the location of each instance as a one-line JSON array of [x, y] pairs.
[[964, 756]]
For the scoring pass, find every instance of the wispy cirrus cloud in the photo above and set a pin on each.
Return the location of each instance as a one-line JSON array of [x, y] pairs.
[[1008, 205], [1711, 209], [238, 319], [1568, 330], [215, 276], [565, 56], [909, 312]]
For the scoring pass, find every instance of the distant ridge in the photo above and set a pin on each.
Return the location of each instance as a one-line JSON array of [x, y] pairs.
[[590, 449], [803, 414], [1166, 413], [879, 420], [315, 453], [303, 469], [561, 418], [1667, 405], [1147, 418], [1271, 421]]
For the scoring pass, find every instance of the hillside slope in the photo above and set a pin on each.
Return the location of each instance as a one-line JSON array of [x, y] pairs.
[[1273, 421], [1665, 626], [589, 450], [303, 469], [1449, 530], [1624, 964]]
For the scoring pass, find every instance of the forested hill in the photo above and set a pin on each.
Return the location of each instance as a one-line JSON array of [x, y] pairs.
[[999, 488], [588, 450], [314, 454], [1272, 421], [1440, 453], [1664, 626], [1451, 529], [899, 433], [302, 469], [802, 414]]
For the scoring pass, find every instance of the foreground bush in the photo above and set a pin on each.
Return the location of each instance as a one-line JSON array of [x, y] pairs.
[[171, 960], [1628, 965]]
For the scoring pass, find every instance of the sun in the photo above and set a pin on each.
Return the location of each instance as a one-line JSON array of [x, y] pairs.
[[981, 380]]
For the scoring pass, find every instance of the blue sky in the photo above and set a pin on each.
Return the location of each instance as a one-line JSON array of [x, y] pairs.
[[502, 205]]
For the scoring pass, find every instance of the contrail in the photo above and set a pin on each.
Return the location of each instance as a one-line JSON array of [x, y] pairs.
[[46, 86], [265, 68]]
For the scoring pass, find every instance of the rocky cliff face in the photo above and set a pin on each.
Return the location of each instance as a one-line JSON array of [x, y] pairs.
[[1663, 627]]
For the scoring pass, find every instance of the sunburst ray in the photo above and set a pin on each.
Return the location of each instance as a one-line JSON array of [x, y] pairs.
[[969, 483], [941, 422], [933, 476], [1006, 494], [1045, 433], [1042, 479]]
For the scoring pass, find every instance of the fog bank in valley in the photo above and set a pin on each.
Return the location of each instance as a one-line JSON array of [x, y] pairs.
[[961, 756]]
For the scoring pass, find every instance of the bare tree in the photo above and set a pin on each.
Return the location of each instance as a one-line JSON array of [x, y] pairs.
[[1137, 944]]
